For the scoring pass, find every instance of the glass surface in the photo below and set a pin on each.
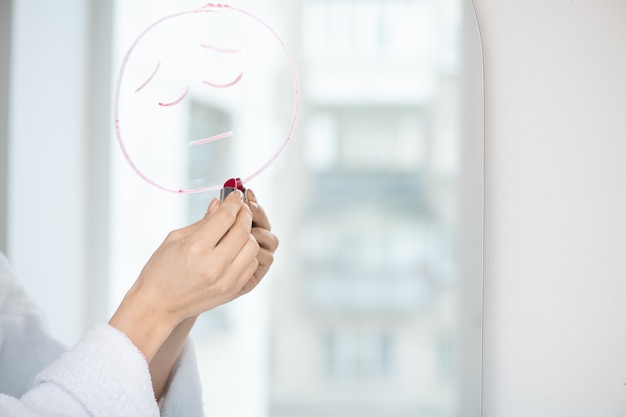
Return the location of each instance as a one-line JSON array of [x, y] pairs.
[[372, 307]]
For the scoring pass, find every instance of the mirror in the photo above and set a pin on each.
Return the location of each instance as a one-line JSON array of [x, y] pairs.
[[373, 305]]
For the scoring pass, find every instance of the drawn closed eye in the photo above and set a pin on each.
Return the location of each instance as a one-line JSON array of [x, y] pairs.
[[151, 77], [224, 85], [178, 100]]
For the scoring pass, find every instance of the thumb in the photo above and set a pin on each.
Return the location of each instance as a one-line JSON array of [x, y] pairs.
[[213, 206]]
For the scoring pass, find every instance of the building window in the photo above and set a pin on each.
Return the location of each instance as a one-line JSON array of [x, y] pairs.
[[357, 354]]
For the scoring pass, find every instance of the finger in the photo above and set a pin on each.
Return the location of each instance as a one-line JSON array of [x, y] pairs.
[[267, 240], [236, 237], [265, 258], [259, 217], [251, 279], [246, 263], [219, 218]]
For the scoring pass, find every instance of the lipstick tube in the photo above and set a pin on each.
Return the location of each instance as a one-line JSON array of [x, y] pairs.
[[232, 185]]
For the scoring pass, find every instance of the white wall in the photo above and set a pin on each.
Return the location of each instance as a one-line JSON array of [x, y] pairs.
[[555, 207]]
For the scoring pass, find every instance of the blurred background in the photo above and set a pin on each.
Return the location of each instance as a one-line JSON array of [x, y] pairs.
[[373, 305]]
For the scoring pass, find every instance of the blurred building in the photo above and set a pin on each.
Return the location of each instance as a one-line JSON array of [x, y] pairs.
[[364, 320]]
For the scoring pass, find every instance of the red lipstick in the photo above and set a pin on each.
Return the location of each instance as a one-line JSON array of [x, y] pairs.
[[231, 185]]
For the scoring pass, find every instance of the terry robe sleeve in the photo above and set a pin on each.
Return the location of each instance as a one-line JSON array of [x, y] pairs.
[[103, 375]]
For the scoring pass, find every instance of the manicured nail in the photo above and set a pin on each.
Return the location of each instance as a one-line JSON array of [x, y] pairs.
[[251, 195], [239, 194], [213, 205]]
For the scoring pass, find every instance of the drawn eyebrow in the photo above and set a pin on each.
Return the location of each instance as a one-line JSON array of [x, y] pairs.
[[219, 48], [138, 89], [211, 138], [178, 100], [225, 85]]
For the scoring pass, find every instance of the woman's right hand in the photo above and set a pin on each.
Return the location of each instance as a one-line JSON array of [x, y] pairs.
[[196, 268]]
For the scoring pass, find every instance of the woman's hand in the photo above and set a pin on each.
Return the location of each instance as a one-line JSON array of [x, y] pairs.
[[163, 362], [195, 269]]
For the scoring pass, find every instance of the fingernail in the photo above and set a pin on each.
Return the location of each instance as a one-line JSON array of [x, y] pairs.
[[251, 195], [253, 206], [213, 205]]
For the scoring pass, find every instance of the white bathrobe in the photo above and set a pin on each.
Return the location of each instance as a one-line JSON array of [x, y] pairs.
[[104, 375]]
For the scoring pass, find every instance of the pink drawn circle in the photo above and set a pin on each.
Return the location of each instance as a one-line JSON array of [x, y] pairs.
[[207, 8]]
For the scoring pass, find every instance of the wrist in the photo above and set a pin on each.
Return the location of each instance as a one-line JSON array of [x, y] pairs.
[[144, 323]]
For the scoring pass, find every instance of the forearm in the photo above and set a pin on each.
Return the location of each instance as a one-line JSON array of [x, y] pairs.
[[163, 362]]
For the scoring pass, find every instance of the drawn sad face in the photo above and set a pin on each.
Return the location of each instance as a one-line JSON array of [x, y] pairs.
[[193, 99]]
